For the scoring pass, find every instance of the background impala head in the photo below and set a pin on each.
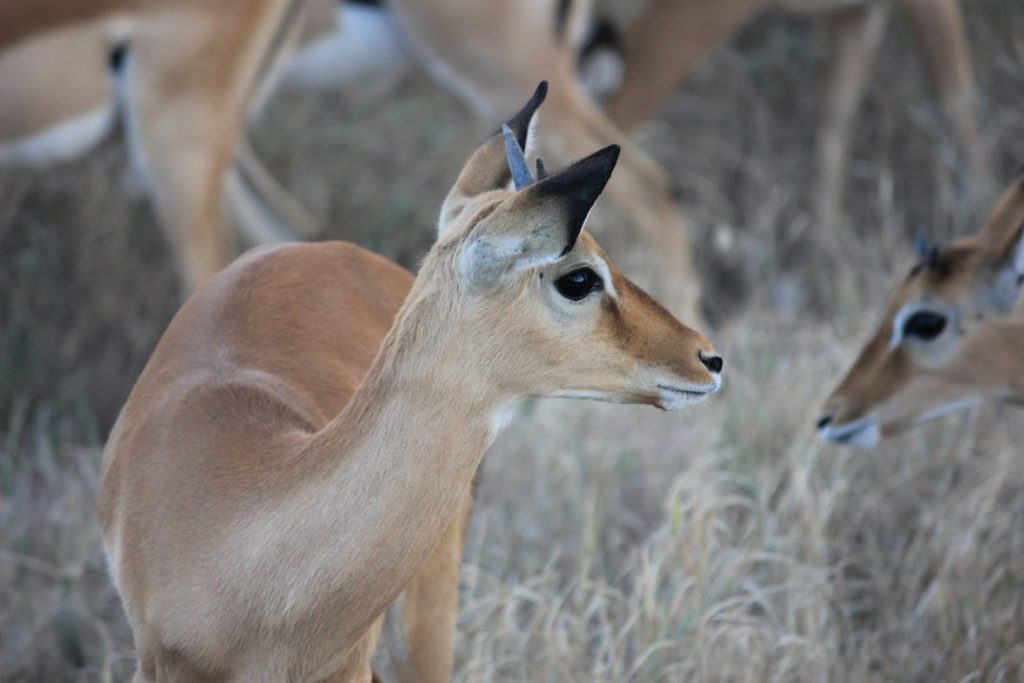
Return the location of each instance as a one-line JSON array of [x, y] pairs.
[[556, 317], [951, 335]]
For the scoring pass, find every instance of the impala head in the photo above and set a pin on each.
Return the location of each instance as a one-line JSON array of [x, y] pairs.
[[536, 307], [943, 341]]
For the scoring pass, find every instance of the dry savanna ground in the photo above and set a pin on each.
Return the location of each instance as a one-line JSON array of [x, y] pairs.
[[609, 544]]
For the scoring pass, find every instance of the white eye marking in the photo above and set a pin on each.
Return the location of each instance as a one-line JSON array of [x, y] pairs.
[[601, 268], [899, 321]]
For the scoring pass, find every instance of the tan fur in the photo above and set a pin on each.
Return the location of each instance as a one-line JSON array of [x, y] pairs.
[[431, 605], [285, 464], [980, 355], [195, 69], [180, 41], [28, 101], [664, 44], [194, 73], [16, 23], [491, 68]]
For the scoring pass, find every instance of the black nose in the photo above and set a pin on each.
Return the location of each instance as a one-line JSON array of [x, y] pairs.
[[712, 363], [824, 421]]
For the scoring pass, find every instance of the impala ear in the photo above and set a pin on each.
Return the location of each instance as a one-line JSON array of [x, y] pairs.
[[1004, 235], [1009, 276], [491, 167], [538, 225], [1002, 227]]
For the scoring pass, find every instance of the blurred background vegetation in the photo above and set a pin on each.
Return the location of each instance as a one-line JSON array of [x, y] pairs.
[[723, 543]]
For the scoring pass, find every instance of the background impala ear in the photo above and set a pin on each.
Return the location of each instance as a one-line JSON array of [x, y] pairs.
[[1002, 227], [488, 168], [538, 225], [1009, 277], [1004, 235]]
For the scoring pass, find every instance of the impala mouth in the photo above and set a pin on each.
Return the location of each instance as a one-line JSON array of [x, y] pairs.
[[687, 392], [674, 397], [863, 433]]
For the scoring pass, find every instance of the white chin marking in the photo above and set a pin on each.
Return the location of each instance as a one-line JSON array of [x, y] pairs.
[[680, 401], [677, 398], [864, 433]]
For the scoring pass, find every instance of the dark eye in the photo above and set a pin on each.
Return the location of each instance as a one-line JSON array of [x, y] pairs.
[[924, 325], [578, 284]]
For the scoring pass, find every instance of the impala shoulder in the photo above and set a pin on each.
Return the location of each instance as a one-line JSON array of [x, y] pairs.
[[319, 265]]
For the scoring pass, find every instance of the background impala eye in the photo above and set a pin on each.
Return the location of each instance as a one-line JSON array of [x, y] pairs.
[[578, 284], [925, 325]]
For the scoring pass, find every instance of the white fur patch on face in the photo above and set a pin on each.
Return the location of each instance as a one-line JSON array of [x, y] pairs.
[[675, 395], [899, 321], [487, 260], [600, 267], [864, 433]]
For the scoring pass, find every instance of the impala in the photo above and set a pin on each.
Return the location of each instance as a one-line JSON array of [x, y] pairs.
[[194, 71], [665, 43], [298, 449], [951, 336]]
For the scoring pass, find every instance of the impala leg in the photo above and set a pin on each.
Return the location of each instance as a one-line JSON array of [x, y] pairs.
[[431, 605], [263, 210], [941, 38], [191, 74], [663, 45], [183, 144], [854, 36]]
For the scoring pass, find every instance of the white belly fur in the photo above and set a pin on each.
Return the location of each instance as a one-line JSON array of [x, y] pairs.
[[367, 47], [65, 141]]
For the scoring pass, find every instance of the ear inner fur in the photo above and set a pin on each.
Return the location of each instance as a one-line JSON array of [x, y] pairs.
[[520, 123], [539, 224], [577, 188]]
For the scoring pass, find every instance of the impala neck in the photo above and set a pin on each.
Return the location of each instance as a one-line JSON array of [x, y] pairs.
[[419, 397], [386, 476]]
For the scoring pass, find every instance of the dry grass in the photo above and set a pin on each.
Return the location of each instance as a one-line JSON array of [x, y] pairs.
[[609, 543]]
